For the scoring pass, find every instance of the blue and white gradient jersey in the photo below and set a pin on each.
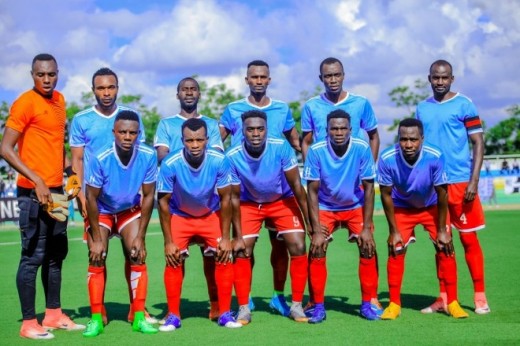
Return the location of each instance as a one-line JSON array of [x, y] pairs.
[[120, 184], [316, 109], [93, 131], [447, 124], [340, 177], [262, 179], [413, 186], [169, 133], [279, 118], [194, 190]]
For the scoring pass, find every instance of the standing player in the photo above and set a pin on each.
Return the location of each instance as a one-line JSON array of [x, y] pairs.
[[267, 187], [315, 110], [334, 169], [36, 123], [91, 130], [194, 192], [168, 138], [414, 192], [281, 125], [449, 118], [116, 174]]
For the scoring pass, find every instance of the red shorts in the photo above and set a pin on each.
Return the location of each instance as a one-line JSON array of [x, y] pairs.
[[284, 215], [116, 222], [200, 230], [350, 219], [466, 217], [407, 218]]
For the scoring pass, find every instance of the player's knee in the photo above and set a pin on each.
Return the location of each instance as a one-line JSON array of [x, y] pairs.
[[60, 247], [296, 248]]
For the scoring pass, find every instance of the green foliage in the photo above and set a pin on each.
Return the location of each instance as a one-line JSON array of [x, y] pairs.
[[504, 137], [150, 116], [296, 106], [4, 113], [214, 99], [408, 97]]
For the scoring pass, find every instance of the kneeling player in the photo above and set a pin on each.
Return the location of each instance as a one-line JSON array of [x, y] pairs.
[[194, 188], [114, 205], [414, 192]]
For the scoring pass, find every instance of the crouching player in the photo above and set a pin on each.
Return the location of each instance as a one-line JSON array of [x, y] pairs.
[[194, 193], [267, 187], [334, 169], [114, 206], [413, 187]]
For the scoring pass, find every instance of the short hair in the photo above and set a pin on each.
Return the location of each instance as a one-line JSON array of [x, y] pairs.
[[253, 114], [43, 57], [411, 122], [127, 115], [257, 63], [187, 79], [330, 61], [441, 62], [104, 71], [338, 113], [194, 124]]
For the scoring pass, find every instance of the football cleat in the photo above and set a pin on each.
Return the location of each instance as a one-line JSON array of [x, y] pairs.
[[94, 326], [438, 306], [309, 309], [227, 320], [141, 325], [456, 311], [63, 322], [481, 304], [376, 306], [391, 312], [318, 314], [367, 311], [279, 304], [171, 323], [244, 315], [35, 331], [150, 319], [297, 313]]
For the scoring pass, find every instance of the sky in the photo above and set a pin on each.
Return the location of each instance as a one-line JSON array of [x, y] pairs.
[[153, 44]]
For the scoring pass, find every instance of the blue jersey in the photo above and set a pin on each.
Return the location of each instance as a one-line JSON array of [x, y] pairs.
[[120, 184], [169, 133], [92, 130], [315, 111], [447, 124], [279, 118], [194, 190], [340, 177], [413, 186], [262, 179]]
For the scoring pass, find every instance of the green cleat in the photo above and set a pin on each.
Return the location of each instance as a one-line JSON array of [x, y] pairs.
[[141, 325], [94, 326]]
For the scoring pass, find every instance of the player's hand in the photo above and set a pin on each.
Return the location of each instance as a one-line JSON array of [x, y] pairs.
[[445, 243], [224, 251], [73, 186], [366, 244], [138, 250], [57, 207], [42, 192], [97, 253], [471, 191], [239, 245], [172, 255], [395, 244], [319, 245]]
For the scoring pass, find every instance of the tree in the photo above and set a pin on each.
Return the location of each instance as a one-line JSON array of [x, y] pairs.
[[504, 137], [408, 97], [149, 116], [214, 99], [296, 106]]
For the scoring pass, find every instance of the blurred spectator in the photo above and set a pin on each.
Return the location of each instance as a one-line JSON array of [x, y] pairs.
[[516, 168], [505, 167]]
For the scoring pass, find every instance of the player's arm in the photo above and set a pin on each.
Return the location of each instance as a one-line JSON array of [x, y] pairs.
[[444, 239], [97, 250], [78, 168], [238, 242], [7, 151], [138, 249], [293, 138], [395, 242], [477, 140], [366, 242], [171, 251], [224, 250], [374, 142], [293, 179], [306, 143], [162, 152], [319, 243]]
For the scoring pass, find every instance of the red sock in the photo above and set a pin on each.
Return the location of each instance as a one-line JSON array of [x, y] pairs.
[[440, 276], [242, 279], [96, 288], [128, 272], [173, 277], [395, 271], [209, 273], [318, 279], [474, 259], [298, 268], [280, 264], [224, 279], [139, 280], [448, 267], [368, 278]]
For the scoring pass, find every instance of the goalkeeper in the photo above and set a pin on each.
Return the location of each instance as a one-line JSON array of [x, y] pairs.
[[36, 123]]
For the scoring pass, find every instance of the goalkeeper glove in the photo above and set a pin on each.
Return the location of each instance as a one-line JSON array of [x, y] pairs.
[[73, 184], [58, 209]]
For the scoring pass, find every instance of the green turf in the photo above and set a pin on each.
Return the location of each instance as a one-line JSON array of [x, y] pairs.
[[343, 326]]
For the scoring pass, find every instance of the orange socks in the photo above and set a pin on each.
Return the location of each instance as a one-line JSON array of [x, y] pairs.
[[242, 281], [474, 259], [139, 284], [318, 279], [298, 268], [395, 271], [368, 277], [224, 280], [96, 288], [173, 277]]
